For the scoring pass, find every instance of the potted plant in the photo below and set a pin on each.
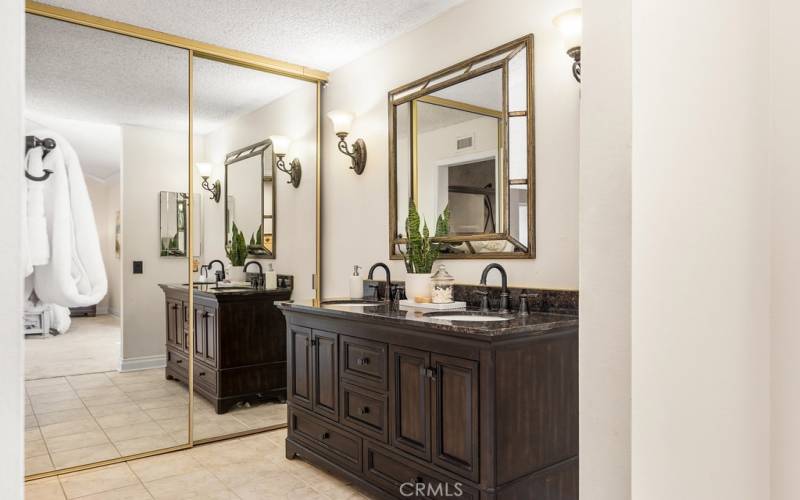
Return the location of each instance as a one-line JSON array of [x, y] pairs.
[[237, 254], [421, 252]]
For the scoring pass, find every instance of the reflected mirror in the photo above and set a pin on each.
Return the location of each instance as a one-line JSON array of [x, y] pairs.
[[240, 335], [117, 109], [250, 198], [462, 141]]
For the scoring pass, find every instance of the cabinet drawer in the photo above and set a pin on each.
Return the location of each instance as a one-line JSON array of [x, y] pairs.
[[365, 411], [341, 447], [205, 378], [178, 362], [364, 362], [403, 478]]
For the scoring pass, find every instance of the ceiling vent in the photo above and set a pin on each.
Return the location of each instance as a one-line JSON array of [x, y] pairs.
[[463, 143]]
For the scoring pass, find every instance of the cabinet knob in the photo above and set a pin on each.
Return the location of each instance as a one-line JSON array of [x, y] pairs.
[[205, 314], [201, 374], [179, 361], [362, 361], [174, 306], [363, 410], [430, 373], [324, 435]]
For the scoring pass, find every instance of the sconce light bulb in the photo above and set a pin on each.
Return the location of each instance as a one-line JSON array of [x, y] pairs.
[[280, 145], [570, 24], [204, 169], [342, 121]]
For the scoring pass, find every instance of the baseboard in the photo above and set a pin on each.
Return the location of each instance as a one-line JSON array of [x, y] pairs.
[[100, 311], [143, 363], [114, 312]]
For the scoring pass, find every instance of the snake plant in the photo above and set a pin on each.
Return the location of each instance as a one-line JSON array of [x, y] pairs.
[[421, 251], [237, 248]]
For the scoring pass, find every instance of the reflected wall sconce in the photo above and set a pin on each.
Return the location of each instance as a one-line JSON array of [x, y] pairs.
[[342, 121], [570, 24], [204, 169], [280, 146]]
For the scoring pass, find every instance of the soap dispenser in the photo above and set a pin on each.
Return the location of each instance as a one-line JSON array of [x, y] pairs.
[[356, 284], [270, 278]]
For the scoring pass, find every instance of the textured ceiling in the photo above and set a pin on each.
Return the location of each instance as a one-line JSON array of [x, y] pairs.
[[322, 34]]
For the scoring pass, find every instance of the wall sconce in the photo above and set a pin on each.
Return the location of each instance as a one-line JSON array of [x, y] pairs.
[[342, 121], [570, 24], [280, 146], [204, 169]]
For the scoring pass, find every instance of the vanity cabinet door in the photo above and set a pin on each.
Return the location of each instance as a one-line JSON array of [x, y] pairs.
[[455, 414], [183, 340], [210, 337], [326, 374], [299, 361], [174, 322], [199, 332], [409, 401]]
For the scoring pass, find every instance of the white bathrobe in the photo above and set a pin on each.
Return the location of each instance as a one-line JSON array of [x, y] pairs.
[[73, 275]]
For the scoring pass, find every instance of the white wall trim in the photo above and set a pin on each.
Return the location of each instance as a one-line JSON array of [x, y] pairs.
[[143, 363]]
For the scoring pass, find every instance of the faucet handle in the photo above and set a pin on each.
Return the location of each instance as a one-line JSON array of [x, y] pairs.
[[524, 310], [483, 293]]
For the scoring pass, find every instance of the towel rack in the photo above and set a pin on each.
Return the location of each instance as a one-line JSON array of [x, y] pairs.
[[47, 145]]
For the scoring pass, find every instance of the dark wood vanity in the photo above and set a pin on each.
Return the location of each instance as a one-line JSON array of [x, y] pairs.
[[239, 343], [398, 402]]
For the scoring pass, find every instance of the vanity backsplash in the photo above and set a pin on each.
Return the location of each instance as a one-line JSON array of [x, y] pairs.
[[541, 300]]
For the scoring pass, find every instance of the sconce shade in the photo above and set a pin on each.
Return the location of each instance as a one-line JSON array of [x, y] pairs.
[[570, 24], [280, 144], [342, 120], [204, 169]]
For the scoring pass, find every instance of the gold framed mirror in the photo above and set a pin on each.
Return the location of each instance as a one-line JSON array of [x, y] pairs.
[[461, 143], [118, 414]]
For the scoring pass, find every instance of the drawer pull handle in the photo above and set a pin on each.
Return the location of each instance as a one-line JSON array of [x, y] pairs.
[[205, 314], [363, 410], [324, 435], [362, 361], [174, 306], [202, 374], [179, 361]]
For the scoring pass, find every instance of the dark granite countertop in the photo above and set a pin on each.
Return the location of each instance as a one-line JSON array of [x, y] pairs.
[[210, 290], [535, 322]]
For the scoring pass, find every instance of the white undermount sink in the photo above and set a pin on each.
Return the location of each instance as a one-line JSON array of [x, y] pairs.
[[466, 316]]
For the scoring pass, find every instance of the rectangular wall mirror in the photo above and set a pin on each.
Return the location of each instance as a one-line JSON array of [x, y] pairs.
[[462, 140], [95, 383]]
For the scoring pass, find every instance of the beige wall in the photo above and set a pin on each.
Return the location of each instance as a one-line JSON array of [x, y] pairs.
[[152, 161], [785, 238], [700, 250], [293, 116], [605, 253], [104, 205], [12, 29], [355, 208]]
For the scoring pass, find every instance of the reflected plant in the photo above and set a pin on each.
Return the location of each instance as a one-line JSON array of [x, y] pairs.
[[421, 251], [237, 248]]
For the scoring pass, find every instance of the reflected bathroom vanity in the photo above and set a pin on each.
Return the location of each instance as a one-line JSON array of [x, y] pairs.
[[239, 343]]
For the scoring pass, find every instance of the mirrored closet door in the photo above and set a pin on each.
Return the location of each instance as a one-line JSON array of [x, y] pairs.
[[107, 117], [255, 154]]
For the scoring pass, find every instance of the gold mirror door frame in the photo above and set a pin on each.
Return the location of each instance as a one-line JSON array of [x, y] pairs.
[[421, 90], [208, 51]]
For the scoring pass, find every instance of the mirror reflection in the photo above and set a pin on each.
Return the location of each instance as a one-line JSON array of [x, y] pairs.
[[259, 243], [461, 145], [116, 109]]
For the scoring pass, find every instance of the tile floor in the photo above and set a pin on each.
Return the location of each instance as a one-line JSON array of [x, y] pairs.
[[90, 346], [80, 419], [249, 468]]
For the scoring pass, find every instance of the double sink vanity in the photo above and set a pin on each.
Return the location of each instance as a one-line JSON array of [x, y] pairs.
[[397, 399]]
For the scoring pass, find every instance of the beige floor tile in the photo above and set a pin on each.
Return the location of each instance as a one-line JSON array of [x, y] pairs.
[[53, 406], [33, 434], [45, 385], [95, 392], [120, 419], [132, 431], [196, 484], [35, 448], [65, 428], [82, 456], [78, 440], [98, 480], [63, 416], [89, 380], [145, 443], [113, 409], [268, 486], [168, 412], [37, 464], [31, 422], [53, 397], [44, 489], [161, 466], [175, 424], [104, 400], [135, 492], [151, 394], [149, 404], [225, 453], [241, 473]]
